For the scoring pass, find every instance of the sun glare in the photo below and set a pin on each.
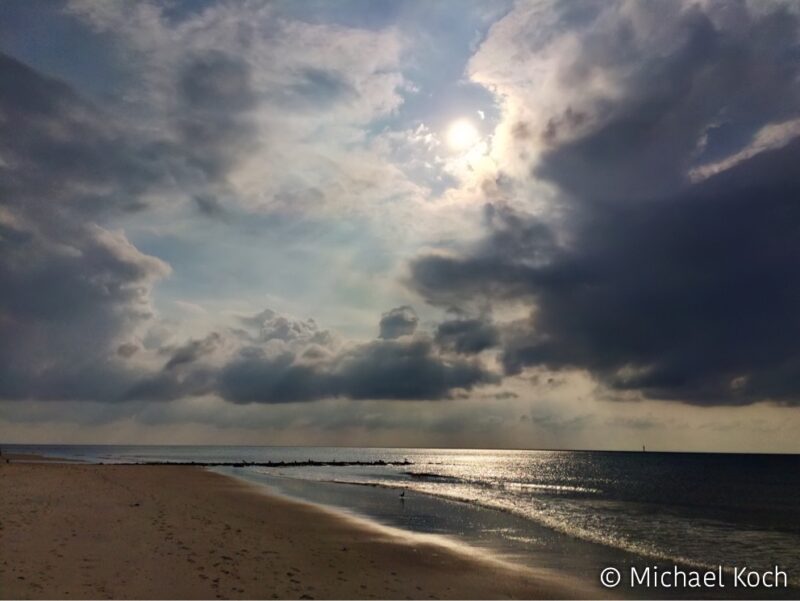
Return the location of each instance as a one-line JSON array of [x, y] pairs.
[[462, 135]]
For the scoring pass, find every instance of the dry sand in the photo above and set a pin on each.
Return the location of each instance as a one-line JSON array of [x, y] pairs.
[[105, 531]]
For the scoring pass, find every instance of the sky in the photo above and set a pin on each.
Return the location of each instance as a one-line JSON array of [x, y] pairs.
[[533, 224]]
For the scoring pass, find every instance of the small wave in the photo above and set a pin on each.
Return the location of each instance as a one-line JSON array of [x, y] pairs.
[[433, 477], [561, 489], [555, 488]]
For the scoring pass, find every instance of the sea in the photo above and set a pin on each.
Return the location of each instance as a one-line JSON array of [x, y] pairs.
[[571, 511]]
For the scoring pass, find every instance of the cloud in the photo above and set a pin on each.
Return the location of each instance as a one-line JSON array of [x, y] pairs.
[[644, 94], [401, 321], [767, 138], [207, 115], [383, 369], [67, 308], [74, 290], [127, 349], [265, 112], [63, 157], [654, 281], [641, 186], [276, 359], [214, 122], [467, 335], [76, 308], [193, 350]]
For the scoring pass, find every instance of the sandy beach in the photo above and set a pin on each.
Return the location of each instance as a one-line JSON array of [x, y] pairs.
[[106, 531]]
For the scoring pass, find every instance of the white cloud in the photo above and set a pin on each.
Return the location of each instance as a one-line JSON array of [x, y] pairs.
[[306, 146]]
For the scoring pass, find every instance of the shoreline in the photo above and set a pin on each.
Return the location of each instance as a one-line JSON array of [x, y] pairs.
[[111, 531], [444, 541]]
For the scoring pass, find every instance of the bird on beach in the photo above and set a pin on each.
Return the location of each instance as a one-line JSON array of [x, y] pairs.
[[402, 494]]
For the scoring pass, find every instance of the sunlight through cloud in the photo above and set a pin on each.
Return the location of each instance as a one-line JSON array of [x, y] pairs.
[[462, 135]]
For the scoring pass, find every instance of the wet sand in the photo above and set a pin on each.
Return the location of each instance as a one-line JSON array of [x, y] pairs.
[[161, 532]]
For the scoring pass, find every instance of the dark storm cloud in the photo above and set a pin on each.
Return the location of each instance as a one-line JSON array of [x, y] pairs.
[[680, 290], [64, 303], [411, 369], [382, 369], [62, 155], [400, 321], [486, 273], [467, 336], [693, 297], [71, 289], [280, 360], [694, 291], [716, 86]]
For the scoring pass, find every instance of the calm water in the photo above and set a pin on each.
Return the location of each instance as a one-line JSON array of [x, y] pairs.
[[580, 509]]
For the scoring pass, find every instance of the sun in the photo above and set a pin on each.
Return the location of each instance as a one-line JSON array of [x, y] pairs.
[[462, 135]]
